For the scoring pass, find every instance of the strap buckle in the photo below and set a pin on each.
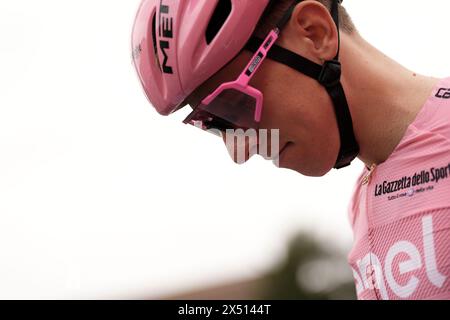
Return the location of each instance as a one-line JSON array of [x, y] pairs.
[[330, 75]]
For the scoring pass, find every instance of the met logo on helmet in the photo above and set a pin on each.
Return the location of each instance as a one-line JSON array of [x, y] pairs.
[[166, 35]]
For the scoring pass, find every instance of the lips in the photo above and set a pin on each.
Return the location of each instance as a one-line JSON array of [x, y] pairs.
[[285, 147]]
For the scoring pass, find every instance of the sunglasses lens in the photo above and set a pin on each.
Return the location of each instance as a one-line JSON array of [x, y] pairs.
[[231, 109]]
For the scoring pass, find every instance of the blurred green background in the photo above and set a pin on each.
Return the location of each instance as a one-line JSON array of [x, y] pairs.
[[309, 271]]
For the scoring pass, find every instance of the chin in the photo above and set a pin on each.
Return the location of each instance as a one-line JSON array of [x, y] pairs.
[[309, 166], [308, 171]]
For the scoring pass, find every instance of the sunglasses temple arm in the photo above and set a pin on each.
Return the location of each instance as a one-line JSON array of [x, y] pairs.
[[258, 58]]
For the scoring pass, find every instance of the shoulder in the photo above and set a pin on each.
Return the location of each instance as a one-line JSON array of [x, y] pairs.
[[434, 119]]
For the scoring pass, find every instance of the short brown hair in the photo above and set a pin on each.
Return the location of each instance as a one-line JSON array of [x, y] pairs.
[[277, 8]]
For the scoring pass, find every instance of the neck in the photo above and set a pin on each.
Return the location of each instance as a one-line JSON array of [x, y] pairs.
[[384, 97]]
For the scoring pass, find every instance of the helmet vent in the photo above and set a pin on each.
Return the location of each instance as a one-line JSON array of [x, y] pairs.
[[220, 15], [155, 43]]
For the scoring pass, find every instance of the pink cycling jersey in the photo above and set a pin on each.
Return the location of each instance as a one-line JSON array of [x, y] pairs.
[[401, 215]]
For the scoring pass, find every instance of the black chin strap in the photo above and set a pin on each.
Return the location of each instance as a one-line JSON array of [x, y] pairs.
[[329, 76]]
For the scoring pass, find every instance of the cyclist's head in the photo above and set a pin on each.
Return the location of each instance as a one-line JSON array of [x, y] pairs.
[[185, 49]]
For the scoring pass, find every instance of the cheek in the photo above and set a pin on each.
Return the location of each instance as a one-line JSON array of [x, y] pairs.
[[282, 110], [301, 109], [315, 140], [284, 92]]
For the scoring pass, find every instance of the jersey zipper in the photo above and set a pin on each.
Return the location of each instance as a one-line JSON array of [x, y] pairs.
[[366, 182], [368, 177]]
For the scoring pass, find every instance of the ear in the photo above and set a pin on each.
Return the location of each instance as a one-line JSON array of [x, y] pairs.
[[313, 31]]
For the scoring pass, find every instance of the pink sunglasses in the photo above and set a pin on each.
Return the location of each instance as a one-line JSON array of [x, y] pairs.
[[234, 105]]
